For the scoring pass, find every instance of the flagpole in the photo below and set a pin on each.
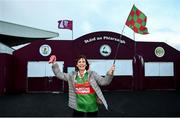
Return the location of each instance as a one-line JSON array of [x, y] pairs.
[[134, 43], [72, 29], [72, 34], [118, 45]]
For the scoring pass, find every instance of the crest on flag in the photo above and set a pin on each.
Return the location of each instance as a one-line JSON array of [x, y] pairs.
[[65, 24], [137, 21]]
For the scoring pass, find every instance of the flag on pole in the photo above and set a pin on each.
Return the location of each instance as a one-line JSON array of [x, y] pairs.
[[137, 21], [65, 24]]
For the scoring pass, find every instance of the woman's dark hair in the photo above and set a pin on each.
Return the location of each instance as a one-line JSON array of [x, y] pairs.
[[78, 58]]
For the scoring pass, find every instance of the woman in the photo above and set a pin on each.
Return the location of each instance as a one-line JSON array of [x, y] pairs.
[[84, 90]]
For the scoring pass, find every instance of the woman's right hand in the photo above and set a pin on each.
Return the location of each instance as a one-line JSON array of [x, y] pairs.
[[52, 59]]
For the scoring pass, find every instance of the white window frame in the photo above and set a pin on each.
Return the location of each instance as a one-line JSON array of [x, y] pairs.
[[159, 69], [123, 67], [41, 68]]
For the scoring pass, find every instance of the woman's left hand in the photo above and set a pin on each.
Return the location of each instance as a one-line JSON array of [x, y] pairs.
[[112, 69]]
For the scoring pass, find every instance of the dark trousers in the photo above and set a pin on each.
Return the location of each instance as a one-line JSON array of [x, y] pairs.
[[84, 114]]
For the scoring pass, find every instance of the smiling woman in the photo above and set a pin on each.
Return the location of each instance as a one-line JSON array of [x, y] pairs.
[[84, 90]]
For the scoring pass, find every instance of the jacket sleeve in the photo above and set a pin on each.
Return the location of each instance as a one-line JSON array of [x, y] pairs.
[[103, 81], [59, 74]]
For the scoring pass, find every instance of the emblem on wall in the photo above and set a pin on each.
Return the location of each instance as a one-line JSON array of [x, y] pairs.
[[45, 50], [105, 50], [159, 52]]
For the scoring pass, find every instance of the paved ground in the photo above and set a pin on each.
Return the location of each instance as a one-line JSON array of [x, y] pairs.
[[121, 103]]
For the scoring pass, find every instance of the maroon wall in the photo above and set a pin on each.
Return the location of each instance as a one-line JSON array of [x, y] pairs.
[[44, 84], [7, 73], [67, 50], [177, 73], [91, 49], [146, 50], [63, 51]]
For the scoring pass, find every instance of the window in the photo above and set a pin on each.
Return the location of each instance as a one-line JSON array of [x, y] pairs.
[[41, 68], [70, 69], [123, 67], [159, 69]]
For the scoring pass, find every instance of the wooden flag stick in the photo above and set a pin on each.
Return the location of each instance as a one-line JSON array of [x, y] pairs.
[[117, 48]]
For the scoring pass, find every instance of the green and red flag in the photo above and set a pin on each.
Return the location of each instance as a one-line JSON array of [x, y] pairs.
[[137, 21]]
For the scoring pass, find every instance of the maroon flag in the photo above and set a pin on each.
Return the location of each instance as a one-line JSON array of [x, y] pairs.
[[65, 24]]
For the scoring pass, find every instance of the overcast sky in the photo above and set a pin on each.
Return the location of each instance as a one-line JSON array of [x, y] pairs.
[[163, 17]]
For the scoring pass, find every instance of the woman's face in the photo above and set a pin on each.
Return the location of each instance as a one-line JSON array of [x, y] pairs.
[[81, 64]]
